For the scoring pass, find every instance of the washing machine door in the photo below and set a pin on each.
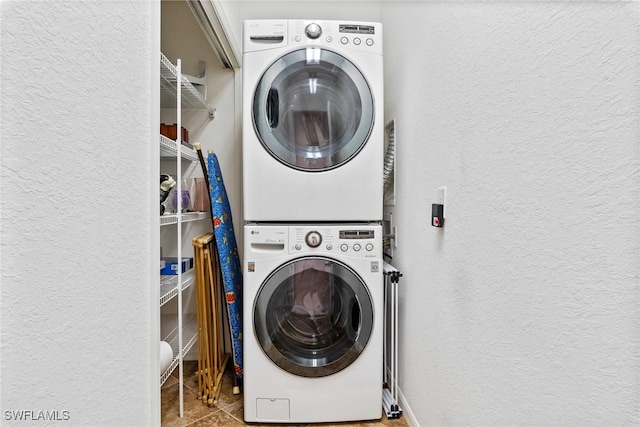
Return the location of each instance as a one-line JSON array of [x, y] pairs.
[[313, 110], [313, 316]]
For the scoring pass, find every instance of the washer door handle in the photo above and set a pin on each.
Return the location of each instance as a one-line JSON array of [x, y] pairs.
[[273, 108]]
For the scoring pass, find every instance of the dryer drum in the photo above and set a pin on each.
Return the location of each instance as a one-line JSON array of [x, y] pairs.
[[313, 115]]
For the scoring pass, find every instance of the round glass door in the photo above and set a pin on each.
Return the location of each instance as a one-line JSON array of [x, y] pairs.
[[313, 316], [313, 110]]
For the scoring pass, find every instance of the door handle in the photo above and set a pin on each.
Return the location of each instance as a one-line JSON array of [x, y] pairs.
[[273, 108]]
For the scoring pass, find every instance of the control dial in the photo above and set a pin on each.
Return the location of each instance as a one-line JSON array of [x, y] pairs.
[[313, 239], [313, 31]]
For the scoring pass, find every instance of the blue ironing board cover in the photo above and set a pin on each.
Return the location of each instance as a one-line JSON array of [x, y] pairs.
[[229, 258]]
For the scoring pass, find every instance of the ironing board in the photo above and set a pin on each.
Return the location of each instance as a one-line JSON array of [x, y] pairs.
[[229, 258]]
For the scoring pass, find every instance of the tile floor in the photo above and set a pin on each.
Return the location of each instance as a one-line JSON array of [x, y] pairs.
[[229, 410]]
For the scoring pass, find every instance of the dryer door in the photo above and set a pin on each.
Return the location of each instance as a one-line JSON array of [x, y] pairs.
[[313, 110], [313, 316]]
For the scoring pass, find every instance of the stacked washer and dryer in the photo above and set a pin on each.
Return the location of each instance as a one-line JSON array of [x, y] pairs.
[[312, 194]]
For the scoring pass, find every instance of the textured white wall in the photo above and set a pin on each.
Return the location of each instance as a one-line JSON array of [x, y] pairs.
[[361, 10], [75, 224], [523, 310]]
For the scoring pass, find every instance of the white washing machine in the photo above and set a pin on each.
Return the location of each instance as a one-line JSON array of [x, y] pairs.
[[313, 312], [313, 131]]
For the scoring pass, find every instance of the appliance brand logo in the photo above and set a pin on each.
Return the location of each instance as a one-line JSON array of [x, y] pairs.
[[375, 266]]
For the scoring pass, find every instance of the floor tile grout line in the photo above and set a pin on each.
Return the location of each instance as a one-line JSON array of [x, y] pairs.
[[231, 415], [202, 418]]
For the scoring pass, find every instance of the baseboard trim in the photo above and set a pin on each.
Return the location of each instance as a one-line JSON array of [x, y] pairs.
[[406, 410]]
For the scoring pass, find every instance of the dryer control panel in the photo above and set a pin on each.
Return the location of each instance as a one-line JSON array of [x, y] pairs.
[[272, 33], [363, 36]]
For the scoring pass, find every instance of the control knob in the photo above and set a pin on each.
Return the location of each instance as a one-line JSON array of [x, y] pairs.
[[313, 31], [313, 239]]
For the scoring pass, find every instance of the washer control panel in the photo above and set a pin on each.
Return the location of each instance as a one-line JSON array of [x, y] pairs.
[[358, 240]]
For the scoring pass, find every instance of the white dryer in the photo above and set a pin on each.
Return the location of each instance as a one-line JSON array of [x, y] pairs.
[[313, 312], [313, 131]]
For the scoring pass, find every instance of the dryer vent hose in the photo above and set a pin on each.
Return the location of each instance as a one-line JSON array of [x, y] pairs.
[[390, 154]]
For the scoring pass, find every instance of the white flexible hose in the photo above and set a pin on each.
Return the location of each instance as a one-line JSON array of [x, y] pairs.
[[390, 154]]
